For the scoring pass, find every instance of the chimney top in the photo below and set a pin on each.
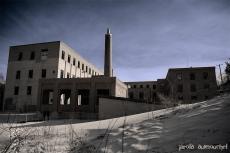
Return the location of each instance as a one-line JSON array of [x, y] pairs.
[[108, 31]]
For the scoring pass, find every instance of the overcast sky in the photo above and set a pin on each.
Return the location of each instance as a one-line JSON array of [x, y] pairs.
[[149, 36]]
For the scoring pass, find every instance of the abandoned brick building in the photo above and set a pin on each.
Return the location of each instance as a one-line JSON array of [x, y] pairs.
[[53, 79]]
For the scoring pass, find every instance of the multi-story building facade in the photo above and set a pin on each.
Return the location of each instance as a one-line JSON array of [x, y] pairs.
[[29, 63], [143, 90], [192, 84], [184, 85]]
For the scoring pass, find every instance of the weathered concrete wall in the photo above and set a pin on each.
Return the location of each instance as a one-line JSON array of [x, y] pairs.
[[117, 107], [182, 76]]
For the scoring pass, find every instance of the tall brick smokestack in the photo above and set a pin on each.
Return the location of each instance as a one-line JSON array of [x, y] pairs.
[[108, 54]]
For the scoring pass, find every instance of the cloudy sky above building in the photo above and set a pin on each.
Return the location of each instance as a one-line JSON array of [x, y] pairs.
[[149, 36]]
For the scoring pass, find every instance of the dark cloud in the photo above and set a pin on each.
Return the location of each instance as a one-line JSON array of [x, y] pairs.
[[148, 35]]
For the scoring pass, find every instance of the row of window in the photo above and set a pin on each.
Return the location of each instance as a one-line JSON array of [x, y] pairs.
[[86, 68], [44, 54], [193, 87], [193, 97], [20, 56], [141, 95], [192, 76], [144, 86], [30, 74], [28, 92]]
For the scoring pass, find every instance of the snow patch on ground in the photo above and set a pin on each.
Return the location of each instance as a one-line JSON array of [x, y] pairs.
[[157, 131]]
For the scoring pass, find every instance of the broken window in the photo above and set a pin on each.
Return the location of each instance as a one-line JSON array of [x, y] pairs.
[[44, 54], [179, 76]]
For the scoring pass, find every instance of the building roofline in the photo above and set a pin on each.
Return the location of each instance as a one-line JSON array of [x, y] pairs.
[[187, 68], [139, 81], [37, 43]]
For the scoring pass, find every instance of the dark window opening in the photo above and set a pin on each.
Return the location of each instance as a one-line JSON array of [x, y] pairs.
[[193, 88], [83, 97], [180, 88], [78, 64], [134, 86], [43, 73], [69, 58], [47, 96], [16, 90], [192, 76], [193, 97], [29, 90], [82, 67], [20, 56], [44, 54], [131, 95], [68, 75], [141, 95], [205, 75], [89, 70], [154, 86], [18, 75], [63, 55], [86, 68], [30, 74], [92, 72], [141, 86], [62, 74], [179, 76], [180, 97], [147, 86], [74, 61], [32, 55]]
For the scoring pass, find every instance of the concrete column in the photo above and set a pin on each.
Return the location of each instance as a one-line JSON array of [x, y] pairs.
[[108, 54], [73, 98]]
